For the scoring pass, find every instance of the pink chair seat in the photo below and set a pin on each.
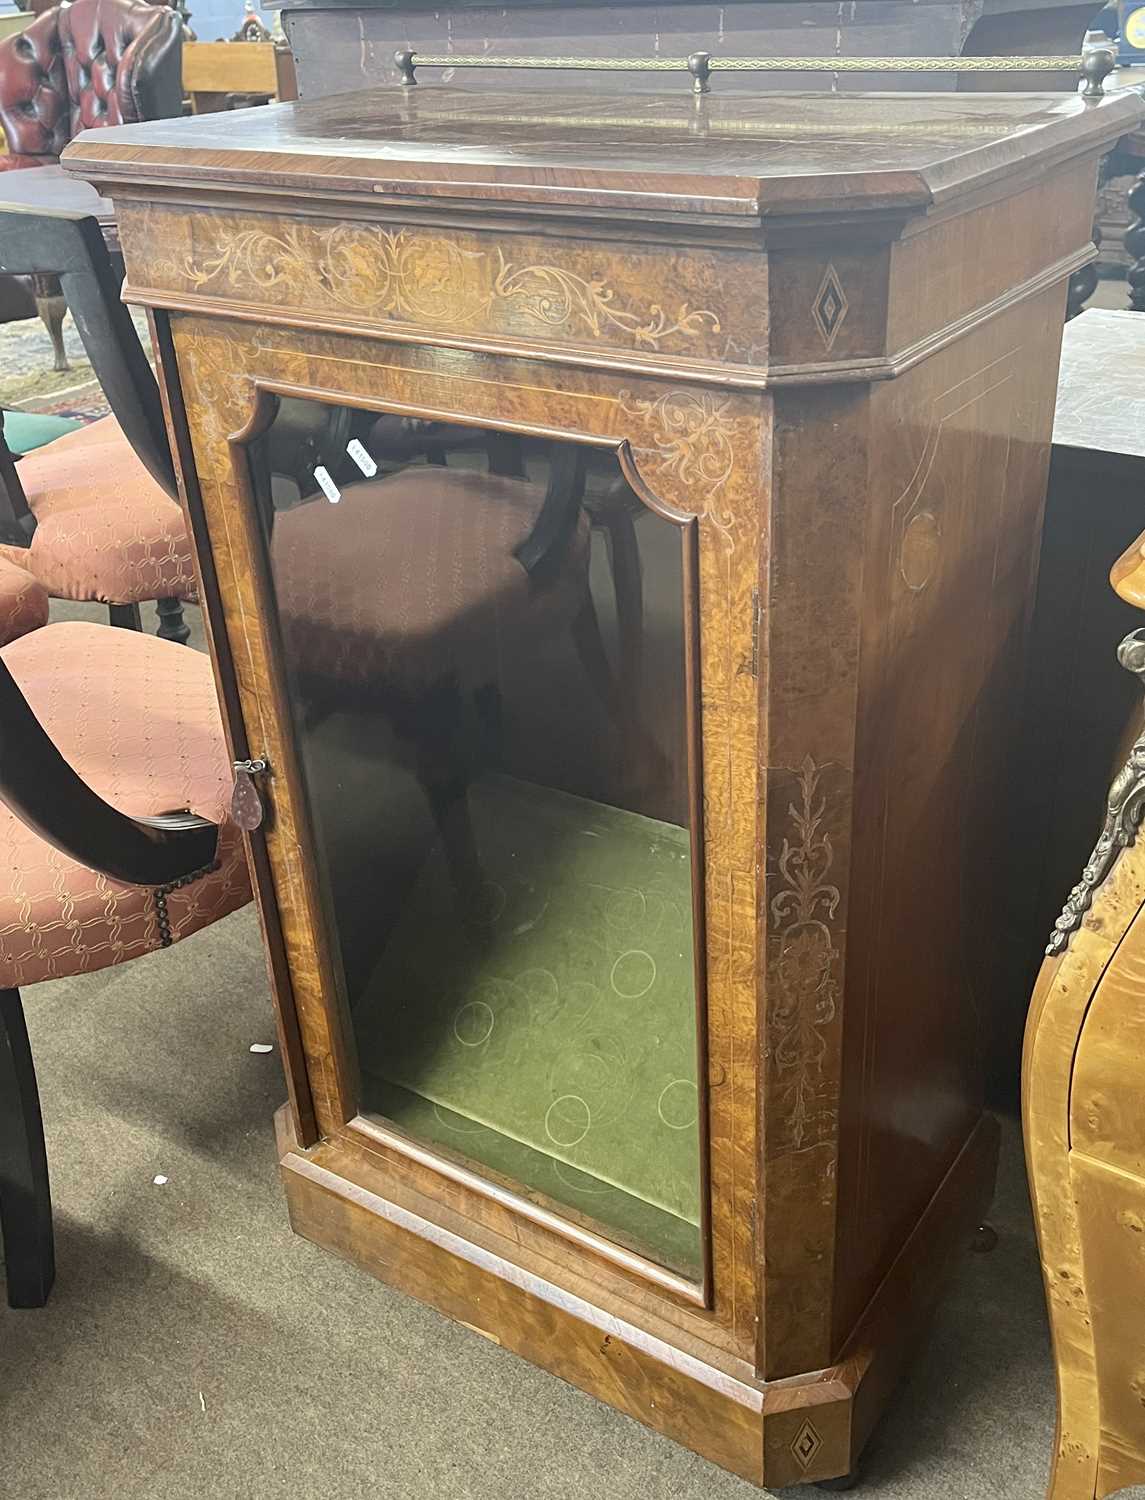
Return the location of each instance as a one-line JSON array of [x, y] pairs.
[[23, 602], [105, 530], [137, 717]]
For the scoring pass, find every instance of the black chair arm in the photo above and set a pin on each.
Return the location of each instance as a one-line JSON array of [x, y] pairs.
[[52, 242], [43, 791]]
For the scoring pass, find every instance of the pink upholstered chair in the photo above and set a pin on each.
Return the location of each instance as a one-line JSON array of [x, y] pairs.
[[94, 514], [23, 602], [115, 788]]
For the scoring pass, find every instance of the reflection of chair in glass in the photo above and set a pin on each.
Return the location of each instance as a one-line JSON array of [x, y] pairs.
[[611, 505], [416, 594]]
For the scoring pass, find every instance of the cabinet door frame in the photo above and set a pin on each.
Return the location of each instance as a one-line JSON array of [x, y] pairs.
[[683, 450]]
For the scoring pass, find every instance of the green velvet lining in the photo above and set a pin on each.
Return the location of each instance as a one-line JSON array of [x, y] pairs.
[[553, 1037]]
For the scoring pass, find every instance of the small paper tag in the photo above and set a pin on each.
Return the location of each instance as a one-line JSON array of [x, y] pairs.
[[367, 465], [327, 485]]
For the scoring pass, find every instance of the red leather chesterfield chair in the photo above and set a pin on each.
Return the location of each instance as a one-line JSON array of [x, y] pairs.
[[77, 67]]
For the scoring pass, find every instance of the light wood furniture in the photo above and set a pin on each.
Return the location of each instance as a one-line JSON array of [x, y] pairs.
[[1085, 1145], [816, 337], [214, 72]]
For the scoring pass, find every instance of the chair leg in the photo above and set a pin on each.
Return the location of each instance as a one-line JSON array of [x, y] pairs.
[[628, 582], [594, 658], [125, 616], [644, 763], [51, 311], [172, 626], [25, 1196]]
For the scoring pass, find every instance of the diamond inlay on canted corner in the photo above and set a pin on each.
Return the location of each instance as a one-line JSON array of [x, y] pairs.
[[830, 307], [806, 1444]]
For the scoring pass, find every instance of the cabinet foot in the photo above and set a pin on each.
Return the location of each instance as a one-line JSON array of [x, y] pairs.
[[844, 1481]]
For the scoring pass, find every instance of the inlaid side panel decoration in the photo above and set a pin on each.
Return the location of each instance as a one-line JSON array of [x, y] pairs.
[[691, 453], [580, 292], [803, 907], [959, 481]]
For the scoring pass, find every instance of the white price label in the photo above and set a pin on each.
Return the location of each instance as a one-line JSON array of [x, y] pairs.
[[367, 465], [327, 485]]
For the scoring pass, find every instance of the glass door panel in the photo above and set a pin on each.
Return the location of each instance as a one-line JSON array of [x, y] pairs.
[[484, 641]]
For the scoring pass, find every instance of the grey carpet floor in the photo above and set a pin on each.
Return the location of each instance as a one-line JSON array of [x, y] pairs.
[[193, 1347]]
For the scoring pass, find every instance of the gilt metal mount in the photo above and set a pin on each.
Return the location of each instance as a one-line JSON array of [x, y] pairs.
[[1123, 813]]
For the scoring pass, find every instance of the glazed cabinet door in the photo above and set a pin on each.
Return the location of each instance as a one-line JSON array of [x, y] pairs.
[[492, 634]]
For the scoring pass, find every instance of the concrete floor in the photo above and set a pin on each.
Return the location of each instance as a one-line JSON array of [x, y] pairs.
[[193, 1346]]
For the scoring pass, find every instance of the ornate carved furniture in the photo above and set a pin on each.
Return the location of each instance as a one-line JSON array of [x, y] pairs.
[[93, 514], [678, 1091], [115, 785], [76, 67], [1078, 701], [1085, 1147]]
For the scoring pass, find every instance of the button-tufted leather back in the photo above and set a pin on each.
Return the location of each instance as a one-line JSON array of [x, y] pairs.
[[86, 64]]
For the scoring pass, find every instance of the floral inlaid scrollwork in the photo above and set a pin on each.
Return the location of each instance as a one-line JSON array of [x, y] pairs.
[[806, 995], [432, 279], [691, 438]]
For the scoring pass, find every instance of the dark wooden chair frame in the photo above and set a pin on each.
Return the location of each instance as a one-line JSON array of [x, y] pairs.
[[71, 247], [45, 792]]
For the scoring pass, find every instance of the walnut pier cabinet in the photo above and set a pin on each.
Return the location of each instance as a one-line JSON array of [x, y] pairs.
[[617, 518]]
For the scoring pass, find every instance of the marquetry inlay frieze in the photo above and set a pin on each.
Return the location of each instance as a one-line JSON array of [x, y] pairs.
[[455, 283]]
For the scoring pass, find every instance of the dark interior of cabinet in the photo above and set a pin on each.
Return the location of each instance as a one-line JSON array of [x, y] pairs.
[[501, 804]]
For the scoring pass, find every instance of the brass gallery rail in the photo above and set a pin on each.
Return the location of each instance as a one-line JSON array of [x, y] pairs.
[[1096, 62]]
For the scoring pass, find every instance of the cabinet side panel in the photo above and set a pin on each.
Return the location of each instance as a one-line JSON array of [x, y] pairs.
[[960, 450]]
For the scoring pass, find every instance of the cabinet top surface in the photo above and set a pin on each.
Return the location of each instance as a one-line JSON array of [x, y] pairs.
[[732, 155]]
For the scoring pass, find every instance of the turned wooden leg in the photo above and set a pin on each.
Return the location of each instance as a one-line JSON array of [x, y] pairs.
[[25, 1197], [125, 616], [449, 803], [51, 306], [1082, 285], [172, 626], [1135, 245], [643, 761], [594, 658]]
